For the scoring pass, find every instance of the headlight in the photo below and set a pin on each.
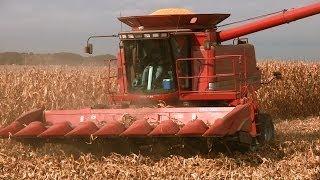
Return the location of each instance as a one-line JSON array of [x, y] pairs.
[[124, 36], [164, 35], [138, 35], [155, 35], [146, 35], [130, 36]]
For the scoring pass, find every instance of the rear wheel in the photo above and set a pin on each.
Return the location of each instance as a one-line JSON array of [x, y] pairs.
[[265, 129]]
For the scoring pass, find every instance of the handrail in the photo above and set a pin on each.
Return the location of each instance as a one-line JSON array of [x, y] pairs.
[[236, 75]]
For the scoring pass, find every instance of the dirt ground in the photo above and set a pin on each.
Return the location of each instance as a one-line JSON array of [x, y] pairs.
[[294, 155]]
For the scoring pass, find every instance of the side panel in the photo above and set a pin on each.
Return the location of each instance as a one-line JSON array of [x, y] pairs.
[[154, 115], [197, 67], [247, 67], [121, 73]]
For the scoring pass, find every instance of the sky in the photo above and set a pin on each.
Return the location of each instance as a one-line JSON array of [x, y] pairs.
[[41, 26]]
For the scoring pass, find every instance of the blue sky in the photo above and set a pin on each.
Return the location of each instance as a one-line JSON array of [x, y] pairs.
[[53, 26]]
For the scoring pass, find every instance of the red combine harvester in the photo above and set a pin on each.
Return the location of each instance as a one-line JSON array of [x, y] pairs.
[[176, 83]]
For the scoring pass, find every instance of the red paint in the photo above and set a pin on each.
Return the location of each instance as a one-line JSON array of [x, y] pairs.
[[30, 116], [152, 98], [157, 22], [155, 115], [218, 129], [192, 96], [32, 130], [111, 129], [233, 122], [137, 129], [24, 119], [56, 130], [270, 21], [165, 128], [193, 128], [11, 129], [84, 129]]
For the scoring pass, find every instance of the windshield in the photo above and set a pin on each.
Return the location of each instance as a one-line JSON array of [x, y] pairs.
[[149, 65]]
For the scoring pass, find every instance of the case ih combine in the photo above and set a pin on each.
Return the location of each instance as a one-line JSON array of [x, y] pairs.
[[177, 84]]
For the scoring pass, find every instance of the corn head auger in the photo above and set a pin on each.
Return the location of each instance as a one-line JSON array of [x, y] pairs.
[[178, 59]]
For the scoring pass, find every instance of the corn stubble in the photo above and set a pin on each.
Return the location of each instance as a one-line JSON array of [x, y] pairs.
[[294, 155]]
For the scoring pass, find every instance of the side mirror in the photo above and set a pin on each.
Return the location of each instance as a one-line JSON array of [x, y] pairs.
[[277, 75], [109, 62], [89, 49]]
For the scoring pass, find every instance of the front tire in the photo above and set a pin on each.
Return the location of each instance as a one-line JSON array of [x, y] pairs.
[[265, 129]]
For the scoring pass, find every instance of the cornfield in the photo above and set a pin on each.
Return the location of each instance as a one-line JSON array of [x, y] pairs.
[[294, 155], [297, 95], [63, 87], [53, 87]]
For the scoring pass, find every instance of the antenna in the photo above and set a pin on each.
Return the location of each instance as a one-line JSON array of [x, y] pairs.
[[178, 23], [121, 21]]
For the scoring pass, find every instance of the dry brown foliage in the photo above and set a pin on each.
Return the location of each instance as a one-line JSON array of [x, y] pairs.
[[297, 95], [56, 87], [294, 155], [63, 87]]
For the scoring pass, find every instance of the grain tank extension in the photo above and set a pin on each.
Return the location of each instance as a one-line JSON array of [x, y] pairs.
[[177, 83]]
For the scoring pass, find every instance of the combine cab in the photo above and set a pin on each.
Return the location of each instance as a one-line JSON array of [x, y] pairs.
[[177, 82]]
